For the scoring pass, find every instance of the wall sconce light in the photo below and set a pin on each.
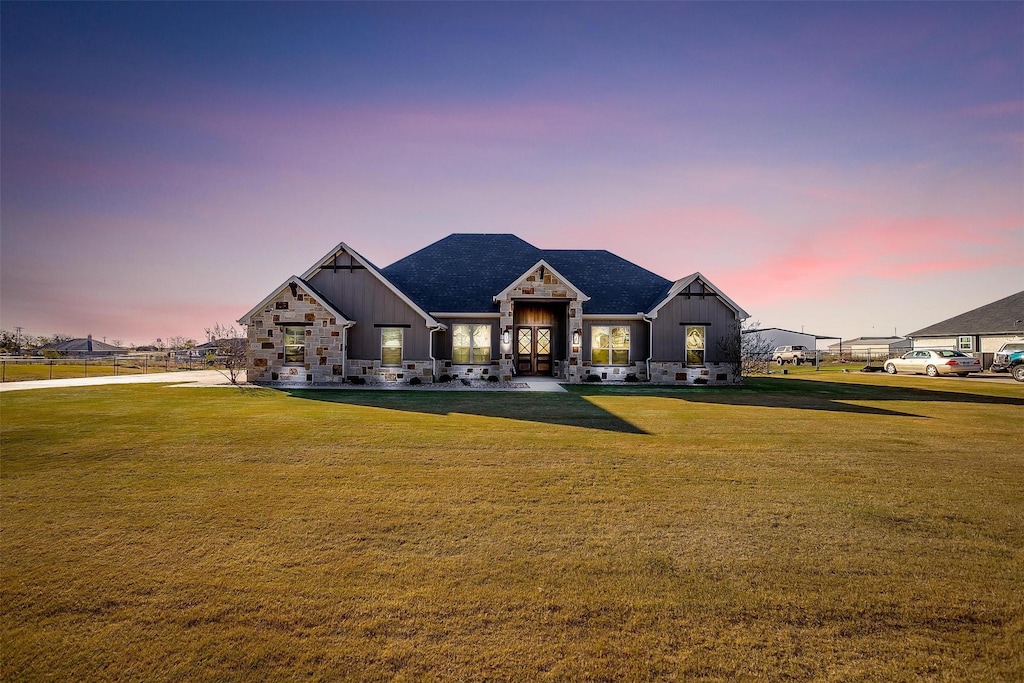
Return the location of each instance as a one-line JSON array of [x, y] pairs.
[[576, 338], [506, 337]]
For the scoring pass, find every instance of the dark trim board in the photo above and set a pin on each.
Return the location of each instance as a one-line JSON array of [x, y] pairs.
[[405, 325]]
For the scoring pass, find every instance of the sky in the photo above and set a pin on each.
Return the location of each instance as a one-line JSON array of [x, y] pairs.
[[845, 169]]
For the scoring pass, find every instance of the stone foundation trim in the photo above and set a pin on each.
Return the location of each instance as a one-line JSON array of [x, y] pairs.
[[665, 372]]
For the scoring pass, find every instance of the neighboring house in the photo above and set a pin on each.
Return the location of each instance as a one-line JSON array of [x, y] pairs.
[[84, 348], [868, 348], [476, 305], [979, 331]]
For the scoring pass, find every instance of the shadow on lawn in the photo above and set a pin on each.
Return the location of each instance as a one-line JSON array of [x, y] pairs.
[[574, 408], [766, 392], [548, 408]]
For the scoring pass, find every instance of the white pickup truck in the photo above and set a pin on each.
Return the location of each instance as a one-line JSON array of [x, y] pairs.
[[797, 355]]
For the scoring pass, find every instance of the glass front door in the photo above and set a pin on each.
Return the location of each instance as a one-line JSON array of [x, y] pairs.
[[533, 350]]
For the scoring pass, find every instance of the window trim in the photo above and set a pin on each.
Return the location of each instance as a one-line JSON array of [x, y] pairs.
[[610, 349], [401, 346], [686, 345], [472, 349], [300, 334], [960, 346]]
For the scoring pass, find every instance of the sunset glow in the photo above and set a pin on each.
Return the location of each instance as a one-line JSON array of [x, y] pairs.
[[831, 166]]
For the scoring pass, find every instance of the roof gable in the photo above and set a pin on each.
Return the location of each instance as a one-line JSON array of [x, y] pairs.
[[1005, 316], [343, 248], [541, 272], [683, 286], [298, 283]]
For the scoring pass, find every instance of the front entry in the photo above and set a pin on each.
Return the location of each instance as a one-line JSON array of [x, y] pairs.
[[533, 350]]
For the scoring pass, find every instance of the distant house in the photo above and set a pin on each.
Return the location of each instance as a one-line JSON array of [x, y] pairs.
[[490, 305], [981, 330], [84, 348], [868, 348]]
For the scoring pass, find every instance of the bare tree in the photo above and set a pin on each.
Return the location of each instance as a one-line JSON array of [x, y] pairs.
[[230, 348], [746, 351], [755, 350], [117, 342]]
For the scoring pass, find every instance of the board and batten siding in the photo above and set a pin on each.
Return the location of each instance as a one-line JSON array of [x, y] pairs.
[[669, 328], [362, 297]]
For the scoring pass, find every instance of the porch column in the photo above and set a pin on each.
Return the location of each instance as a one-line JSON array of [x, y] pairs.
[[507, 360]]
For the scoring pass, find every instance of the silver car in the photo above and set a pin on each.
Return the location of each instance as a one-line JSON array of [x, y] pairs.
[[934, 363]]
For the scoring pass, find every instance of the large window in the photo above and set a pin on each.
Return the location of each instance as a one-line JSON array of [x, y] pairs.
[[391, 346], [609, 345], [695, 339], [294, 345], [471, 343]]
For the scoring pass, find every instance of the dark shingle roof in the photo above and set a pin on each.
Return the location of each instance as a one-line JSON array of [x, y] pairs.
[[999, 317], [461, 273]]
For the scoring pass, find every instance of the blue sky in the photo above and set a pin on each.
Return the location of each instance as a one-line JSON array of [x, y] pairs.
[[848, 168]]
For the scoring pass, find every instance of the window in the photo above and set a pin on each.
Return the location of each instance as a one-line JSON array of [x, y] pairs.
[[391, 346], [471, 343], [294, 345], [609, 345], [965, 343], [695, 336]]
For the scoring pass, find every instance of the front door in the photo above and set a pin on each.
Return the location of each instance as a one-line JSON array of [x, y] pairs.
[[533, 350]]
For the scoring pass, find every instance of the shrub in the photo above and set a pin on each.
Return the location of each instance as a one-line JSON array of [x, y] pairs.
[[357, 380], [701, 380], [492, 378], [445, 378], [415, 381], [465, 381], [592, 378], [632, 378]]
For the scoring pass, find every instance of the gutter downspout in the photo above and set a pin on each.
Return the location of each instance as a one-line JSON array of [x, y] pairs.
[[650, 345], [344, 349], [430, 350]]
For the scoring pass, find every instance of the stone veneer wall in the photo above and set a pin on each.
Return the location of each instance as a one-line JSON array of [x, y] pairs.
[[324, 351], [375, 373], [679, 373], [471, 370], [613, 373], [546, 287]]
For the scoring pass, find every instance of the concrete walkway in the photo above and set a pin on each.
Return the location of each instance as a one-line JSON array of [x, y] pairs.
[[543, 383]]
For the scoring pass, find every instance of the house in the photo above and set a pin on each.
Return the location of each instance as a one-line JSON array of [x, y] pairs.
[[86, 347], [979, 331], [480, 305]]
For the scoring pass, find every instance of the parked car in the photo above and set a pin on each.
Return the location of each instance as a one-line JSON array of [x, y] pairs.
[[1010, 358], [933, 363], [791, 354]]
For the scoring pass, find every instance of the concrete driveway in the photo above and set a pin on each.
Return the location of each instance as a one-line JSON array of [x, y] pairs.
[[198, 378]]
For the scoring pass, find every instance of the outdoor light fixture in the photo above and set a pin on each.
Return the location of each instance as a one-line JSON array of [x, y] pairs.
[[576, 338], [506, 337]]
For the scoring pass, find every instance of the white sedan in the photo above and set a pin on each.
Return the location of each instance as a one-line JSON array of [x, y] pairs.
[[934, 363]]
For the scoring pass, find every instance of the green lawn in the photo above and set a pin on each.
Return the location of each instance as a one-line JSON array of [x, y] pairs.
[[811, 527]]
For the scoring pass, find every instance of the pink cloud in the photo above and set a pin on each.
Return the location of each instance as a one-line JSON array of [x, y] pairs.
[[994, 109], [899, 250]]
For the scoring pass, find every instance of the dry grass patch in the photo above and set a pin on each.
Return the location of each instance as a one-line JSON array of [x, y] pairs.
[[830, 530]]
